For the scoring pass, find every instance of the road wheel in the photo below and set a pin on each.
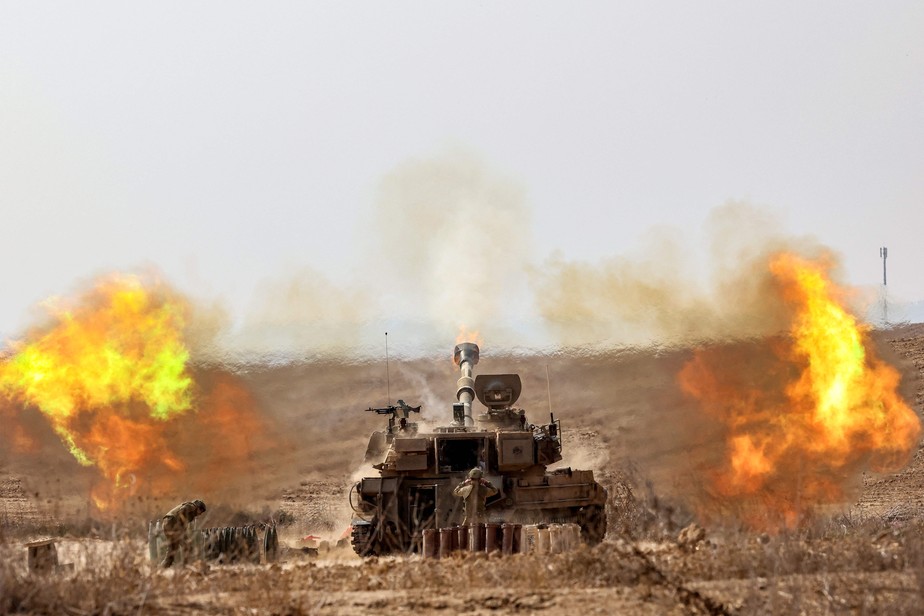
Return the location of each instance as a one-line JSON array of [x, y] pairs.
[[362, 540], [593, 524]]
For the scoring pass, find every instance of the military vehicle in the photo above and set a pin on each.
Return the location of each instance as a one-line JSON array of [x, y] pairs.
[[417, 471]]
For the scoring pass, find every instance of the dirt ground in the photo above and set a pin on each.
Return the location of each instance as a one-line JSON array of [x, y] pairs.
[[622, 416]]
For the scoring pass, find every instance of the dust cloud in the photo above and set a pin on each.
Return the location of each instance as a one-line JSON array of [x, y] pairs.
[[661, 296], [304, 314], [455, 239], [448, 245], [445, 245]]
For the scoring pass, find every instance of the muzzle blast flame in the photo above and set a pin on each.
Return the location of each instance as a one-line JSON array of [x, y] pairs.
[[801, 427], [110, 374]]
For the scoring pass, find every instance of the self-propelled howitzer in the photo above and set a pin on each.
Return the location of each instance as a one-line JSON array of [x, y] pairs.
[[417, 471]]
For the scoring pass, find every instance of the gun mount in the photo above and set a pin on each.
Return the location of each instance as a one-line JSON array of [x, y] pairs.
[[417, 471]]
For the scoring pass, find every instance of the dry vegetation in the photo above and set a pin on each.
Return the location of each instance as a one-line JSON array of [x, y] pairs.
[[870, 567], [621, 418]]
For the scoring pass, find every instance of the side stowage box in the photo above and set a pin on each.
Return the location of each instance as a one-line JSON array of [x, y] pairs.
[[515, 451], [409, 445]]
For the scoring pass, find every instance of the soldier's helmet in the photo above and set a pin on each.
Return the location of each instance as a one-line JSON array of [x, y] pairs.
[[475, 473], [199, 505]]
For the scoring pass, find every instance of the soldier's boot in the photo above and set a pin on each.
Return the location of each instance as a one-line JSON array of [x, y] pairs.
[[168, 560]]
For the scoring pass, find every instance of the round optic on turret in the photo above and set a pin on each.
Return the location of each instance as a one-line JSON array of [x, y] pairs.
[[498, 391]]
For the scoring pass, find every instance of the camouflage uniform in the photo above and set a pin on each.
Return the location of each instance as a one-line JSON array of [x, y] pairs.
[[175, 524], [475, 491]]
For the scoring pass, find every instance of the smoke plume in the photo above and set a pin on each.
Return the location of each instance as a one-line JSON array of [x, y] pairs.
[[662, 296], [453, 240]]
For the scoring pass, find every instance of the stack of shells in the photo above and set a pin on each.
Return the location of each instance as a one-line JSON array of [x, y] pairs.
[[503, 538], [233, 544]]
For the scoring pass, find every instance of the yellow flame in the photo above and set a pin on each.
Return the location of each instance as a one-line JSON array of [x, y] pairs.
[[851, 395], [827, 406], [109, 364]]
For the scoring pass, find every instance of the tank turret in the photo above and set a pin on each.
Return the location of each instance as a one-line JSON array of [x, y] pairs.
[[417, 471]]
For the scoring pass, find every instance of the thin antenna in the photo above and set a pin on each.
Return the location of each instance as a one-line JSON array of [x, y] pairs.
[[552, 425], [387, 376]]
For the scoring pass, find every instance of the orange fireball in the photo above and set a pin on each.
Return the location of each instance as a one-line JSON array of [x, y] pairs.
[[107, 374], [467, 335], [819, 408]]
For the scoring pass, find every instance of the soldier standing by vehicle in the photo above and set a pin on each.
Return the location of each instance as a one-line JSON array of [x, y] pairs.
[[175, 524], [474, 491]]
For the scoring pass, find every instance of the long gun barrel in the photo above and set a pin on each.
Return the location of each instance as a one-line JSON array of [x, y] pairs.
[[465, 356]]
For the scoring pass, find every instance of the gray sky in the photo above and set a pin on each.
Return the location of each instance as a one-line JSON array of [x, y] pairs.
[[231, 143]]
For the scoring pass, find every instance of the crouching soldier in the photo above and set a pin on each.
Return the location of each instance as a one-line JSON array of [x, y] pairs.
[[474, 491], [175, 525]]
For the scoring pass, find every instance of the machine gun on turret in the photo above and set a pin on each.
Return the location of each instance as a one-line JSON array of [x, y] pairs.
[[399, 413]]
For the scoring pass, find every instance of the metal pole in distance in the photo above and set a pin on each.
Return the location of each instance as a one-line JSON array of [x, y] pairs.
[[884, 254]]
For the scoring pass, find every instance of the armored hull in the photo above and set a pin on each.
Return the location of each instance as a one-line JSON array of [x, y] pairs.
[[418, 471]]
